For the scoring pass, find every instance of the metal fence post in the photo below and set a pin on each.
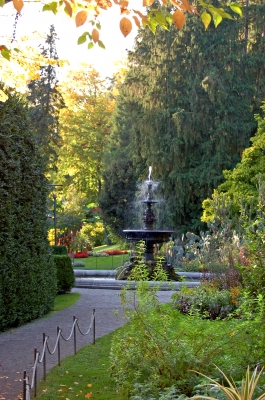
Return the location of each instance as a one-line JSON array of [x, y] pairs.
[[35, 377], [94, 326], [74, 335], [59, 352], [24, 385], [44, 358]]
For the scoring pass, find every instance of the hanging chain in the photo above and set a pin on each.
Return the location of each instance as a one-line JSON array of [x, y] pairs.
[[15, 27]]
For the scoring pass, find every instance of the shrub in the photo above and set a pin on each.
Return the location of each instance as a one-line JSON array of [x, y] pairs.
[[27, 272], [59, 250], [65, 273], [207, 301], [78, 264], [81, 254]]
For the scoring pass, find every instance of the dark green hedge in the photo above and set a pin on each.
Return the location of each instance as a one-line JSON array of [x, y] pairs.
[[65, 273], [59, 250], [27, 271]]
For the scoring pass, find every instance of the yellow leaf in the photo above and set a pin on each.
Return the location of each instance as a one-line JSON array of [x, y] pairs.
[[206, 19], [80, 18], [18, 4], [137, 22], [95, 35], [125, 26], [179, 19], [68, 8], [147, 3], [89, 385]]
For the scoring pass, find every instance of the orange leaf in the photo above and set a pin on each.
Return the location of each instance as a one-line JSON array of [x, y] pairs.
[[125, 26], [124, 3], [137, 22], [95, 37], [18, 4], [80, 18], [116, 2], [144, 18], [165, 2], [68, 8], [125, 11], [147, 3], [186, 6], [179, 19], [87, 396]]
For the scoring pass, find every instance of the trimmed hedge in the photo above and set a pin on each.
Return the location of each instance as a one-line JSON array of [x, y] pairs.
[[59, 250], [65, 273], [27, 272]]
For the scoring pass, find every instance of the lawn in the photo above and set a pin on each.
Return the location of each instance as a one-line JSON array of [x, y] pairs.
[[103, 262]]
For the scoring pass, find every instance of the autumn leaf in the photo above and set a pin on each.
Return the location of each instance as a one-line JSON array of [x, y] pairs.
[[95, 35], [179, 19], [125, 26], [80, 18], [89, 385], [18, 4], [124, 3], [147, 3], [88, 395], [68, 8], [137, 22]]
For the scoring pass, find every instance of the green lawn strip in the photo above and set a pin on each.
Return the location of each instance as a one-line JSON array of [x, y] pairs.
[[63, 301], [83, 375], [104, 262]]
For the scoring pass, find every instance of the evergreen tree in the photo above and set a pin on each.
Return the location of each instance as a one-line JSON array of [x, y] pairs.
[[27, 274], [195, 93], [46, 102]]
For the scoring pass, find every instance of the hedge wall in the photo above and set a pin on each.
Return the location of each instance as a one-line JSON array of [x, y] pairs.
[[27, 271]]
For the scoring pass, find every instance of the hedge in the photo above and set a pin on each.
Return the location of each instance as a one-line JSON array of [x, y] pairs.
[[27, 272], [65, 273]]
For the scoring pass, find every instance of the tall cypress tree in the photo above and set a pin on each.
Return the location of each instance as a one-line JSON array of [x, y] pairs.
[[197, 91], [46, 102]]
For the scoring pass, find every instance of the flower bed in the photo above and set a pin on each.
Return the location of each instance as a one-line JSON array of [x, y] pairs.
[[81, 254], [116, 252]]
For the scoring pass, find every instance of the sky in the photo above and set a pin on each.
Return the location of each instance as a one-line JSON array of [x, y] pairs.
[[32, 20]]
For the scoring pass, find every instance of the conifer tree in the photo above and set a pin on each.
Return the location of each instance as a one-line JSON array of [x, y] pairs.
[[197, 93], [46, 102]]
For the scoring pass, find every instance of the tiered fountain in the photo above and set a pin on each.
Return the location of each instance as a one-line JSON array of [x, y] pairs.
[[148, 234]]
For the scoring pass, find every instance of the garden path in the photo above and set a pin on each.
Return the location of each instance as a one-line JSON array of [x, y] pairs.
[[17, 345]]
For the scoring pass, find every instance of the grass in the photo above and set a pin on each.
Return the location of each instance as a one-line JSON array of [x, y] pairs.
[[82, 376], [63, 301], [103, 263]]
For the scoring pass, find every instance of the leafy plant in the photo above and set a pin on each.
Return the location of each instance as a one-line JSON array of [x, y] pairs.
[[231, 390], [65, 273]]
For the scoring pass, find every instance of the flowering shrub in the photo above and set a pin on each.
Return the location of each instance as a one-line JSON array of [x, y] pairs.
[[81, 254], [116, 252]]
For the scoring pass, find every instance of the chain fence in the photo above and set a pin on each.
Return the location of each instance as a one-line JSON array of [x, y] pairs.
[[40, 357]]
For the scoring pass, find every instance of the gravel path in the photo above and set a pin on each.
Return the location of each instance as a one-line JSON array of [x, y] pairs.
[[17, 345]]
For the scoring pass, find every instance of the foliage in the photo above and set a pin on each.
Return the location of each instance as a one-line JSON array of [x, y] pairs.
[[175, 13], [78, 264], [27, 274], [65, 273], [46, 103], [207, 301], [241, 190], [160, 120], [59, 250], [231, 390], [92, 233]]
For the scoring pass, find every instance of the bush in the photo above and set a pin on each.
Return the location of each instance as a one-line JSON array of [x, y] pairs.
[[78, 264], [27, 272], [59, 250], [207, 301], [65, 273], [81, 254]]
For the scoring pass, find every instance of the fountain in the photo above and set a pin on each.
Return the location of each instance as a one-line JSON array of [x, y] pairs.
[[148, 234]]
